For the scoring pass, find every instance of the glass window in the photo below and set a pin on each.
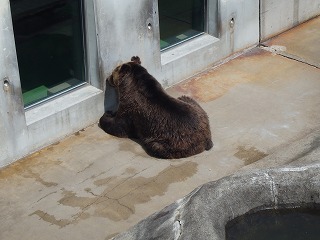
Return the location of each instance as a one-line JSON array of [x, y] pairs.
[[180, 20], [50, 47]]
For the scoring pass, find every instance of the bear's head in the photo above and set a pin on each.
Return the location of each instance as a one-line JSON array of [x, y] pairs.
[[123, 71]]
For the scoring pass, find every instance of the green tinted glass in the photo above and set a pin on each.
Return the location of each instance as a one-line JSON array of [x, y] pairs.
[[50, 46], [180, 20]]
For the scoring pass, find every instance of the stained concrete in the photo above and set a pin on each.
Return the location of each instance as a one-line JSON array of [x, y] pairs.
[[93, 186]]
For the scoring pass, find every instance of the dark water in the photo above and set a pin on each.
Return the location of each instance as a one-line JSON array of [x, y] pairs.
[[271, 224]]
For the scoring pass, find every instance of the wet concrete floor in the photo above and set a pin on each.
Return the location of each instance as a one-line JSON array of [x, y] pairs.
[[92, 185]]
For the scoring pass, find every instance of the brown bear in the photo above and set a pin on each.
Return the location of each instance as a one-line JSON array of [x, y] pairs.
[[165, 127]]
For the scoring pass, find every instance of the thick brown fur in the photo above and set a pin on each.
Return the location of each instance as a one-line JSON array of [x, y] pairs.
[[166, 127]]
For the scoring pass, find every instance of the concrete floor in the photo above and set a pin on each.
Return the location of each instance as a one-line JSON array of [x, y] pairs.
[[93, 186]]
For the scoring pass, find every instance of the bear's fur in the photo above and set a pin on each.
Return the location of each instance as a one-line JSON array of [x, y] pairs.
[[166, 127]]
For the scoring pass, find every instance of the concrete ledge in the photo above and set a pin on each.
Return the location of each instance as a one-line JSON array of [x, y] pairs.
[[204, 213], [62, 116], [186, 48]]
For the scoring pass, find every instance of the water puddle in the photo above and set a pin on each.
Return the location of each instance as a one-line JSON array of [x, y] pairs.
[[281, 224], [120, 194], [249, 154]]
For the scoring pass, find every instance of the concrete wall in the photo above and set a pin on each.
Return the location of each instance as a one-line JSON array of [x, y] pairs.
[[12, 121], [125, 33], [117, 30], [23, 132], [280, 15]]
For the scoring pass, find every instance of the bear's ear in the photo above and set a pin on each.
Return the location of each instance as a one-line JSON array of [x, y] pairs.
[[136, 60], [125, 68]]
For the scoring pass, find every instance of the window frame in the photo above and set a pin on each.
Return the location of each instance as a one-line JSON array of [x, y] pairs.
[[205, 30], [90, 54]]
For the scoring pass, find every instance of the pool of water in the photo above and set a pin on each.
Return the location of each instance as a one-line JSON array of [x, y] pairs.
[[280, 224]]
